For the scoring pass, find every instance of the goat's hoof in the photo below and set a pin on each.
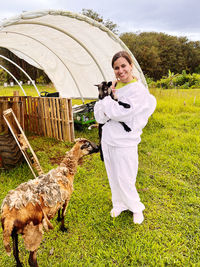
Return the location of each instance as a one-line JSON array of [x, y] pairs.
[[19, 264], [63, 229]]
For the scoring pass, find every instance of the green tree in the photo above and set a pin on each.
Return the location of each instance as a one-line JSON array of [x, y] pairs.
[[94, 15], [157, 53], [145, 50]]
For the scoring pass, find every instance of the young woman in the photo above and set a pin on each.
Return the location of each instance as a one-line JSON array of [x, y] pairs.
[[120, 148]]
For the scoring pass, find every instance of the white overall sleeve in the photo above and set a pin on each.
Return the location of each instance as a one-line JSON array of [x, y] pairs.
[[99, 114]]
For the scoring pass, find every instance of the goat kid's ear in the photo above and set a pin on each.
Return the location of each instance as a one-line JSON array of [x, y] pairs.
[[109, 84]]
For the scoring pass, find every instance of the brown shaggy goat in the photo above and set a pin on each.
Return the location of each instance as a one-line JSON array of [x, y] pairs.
[[29, 208]]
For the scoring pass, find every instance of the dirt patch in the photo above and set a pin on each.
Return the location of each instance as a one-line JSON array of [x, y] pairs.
[[56, 160]]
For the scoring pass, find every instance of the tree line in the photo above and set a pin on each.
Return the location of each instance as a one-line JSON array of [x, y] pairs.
[[156, 53]]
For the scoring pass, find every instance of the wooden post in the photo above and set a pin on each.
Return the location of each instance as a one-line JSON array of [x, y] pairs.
[[66, 130], [71, 120], [46, 111], [42, 115], [16, 107], [24, 100], [29, 117], [59, 120], [55, 117]]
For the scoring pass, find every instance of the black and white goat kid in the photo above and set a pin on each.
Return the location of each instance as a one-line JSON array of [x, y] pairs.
[[105, 89]]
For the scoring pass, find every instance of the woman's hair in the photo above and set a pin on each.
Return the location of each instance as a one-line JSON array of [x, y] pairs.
[[123, 54]]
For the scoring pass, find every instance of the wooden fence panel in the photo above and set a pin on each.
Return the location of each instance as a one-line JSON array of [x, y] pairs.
[[45, 116]]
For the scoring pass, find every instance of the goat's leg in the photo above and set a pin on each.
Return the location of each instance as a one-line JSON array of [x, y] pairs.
[[33, 258], [101, 153], [15, 247], [100, 136], [63, 228], [59, 217]]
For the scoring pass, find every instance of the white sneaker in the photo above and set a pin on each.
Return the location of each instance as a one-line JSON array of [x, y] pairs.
[[115, 212], [138, 217]]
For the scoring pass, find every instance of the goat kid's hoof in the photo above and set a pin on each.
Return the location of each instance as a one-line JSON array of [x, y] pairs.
[[63, 229], [127, 129], [126, 105]]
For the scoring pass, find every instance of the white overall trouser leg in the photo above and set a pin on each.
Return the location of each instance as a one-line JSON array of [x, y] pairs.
[[122, 165]]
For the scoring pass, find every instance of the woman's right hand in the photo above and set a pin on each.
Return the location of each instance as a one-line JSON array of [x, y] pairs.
[[114, 83]]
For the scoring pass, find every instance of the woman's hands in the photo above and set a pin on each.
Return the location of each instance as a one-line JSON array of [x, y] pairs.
[[114, 83]]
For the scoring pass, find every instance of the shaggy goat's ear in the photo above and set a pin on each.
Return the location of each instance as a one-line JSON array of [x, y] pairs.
[[96, 85], [109, 84]]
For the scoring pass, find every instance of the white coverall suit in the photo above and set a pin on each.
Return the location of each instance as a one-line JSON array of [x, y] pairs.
[[120, 147]]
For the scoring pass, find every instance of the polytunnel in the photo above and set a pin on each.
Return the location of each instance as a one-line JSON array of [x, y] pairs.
[[72, 49]]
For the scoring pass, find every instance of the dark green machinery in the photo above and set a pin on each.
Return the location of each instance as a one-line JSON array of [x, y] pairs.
[[84, 114]]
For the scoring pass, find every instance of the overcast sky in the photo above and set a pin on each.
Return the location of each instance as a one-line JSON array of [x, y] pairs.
[[174, 17]]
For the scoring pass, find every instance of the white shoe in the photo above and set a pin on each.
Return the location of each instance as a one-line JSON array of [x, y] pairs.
[[115, 212], [138, 217]]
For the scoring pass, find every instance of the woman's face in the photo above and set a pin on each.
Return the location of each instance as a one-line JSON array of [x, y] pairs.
[[123, 70]]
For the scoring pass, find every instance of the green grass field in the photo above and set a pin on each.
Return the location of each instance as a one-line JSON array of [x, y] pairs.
[[168, 184]]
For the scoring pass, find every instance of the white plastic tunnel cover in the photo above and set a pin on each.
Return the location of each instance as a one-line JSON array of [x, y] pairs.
[[73, 50]]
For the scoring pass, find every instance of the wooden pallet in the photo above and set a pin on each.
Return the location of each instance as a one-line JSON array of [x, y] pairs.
[[45, 116]]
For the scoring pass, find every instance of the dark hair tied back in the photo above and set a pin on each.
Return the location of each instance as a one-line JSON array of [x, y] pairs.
[[123, 54]]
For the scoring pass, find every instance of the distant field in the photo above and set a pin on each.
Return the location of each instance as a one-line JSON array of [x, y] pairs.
[[168, 183], [29, 89]]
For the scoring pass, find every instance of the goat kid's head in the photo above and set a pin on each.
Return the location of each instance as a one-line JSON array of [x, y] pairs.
[[104, 89], [86, 147]]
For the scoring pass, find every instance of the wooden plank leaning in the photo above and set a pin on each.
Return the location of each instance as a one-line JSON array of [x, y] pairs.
[[22, 141]]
